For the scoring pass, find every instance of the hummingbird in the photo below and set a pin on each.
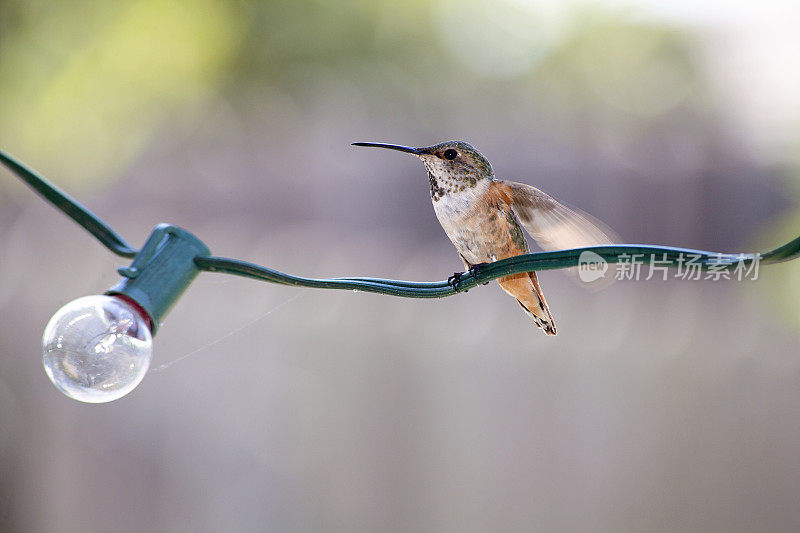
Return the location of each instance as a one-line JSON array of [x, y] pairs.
[[483, 216]]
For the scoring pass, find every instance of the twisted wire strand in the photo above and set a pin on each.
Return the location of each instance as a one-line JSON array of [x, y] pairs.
[[667, 255]]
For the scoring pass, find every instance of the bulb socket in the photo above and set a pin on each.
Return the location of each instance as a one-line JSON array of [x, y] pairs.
[[161, 271]]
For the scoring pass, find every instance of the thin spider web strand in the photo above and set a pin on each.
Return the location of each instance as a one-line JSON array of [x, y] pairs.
[[227, 335]]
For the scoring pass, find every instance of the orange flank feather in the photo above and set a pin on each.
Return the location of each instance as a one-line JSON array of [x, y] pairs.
[[524, 286]]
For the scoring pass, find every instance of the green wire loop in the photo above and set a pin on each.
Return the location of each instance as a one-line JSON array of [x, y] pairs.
[[668, 255]]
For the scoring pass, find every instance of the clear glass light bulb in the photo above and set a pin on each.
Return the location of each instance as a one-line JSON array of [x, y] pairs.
[[97, 348]]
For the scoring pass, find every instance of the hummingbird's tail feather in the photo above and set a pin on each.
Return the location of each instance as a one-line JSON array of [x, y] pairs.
[[548, 327], [525, 288]]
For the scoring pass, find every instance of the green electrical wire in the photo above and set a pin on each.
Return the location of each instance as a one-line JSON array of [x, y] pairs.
[[668, 255], [70, 207]]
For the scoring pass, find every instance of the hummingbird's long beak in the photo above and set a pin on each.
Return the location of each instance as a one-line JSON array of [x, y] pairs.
[[407, 149]]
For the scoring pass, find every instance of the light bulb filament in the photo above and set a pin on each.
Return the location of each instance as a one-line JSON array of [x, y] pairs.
[[104, 343]]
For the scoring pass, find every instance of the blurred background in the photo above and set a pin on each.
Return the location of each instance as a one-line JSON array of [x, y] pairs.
[[660, 406]]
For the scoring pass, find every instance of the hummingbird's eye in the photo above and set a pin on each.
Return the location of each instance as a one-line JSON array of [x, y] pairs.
[[450, 154]]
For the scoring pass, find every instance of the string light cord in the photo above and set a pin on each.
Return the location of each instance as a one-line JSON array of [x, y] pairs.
[[101, 368]]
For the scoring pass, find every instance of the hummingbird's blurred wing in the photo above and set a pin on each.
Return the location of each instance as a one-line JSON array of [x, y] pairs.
[[555, 226]]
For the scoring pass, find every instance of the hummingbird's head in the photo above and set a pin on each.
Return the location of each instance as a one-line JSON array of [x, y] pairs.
[[452, 159]]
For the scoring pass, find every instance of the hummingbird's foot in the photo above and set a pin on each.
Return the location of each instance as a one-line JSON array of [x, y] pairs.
[[476, 269], [454, 279]]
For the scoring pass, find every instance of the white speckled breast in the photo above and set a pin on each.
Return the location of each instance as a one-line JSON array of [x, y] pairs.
[[463, 225]]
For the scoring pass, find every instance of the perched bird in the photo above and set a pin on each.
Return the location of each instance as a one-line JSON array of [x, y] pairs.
[[482, 215]]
